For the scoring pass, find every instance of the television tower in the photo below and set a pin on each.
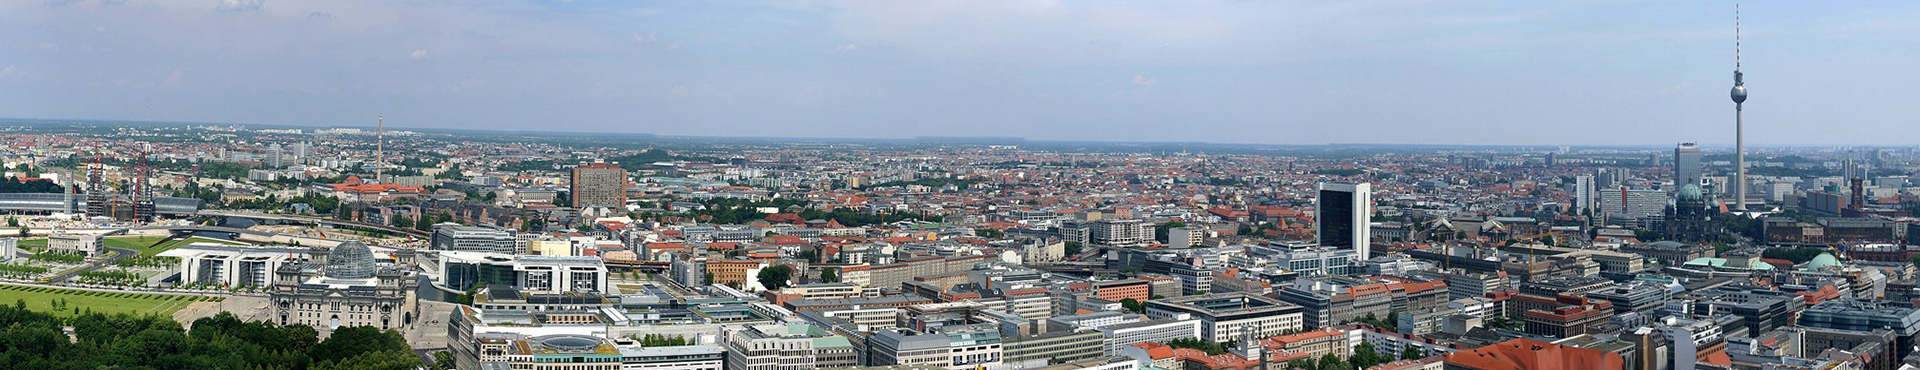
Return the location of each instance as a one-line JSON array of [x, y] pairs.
[[1739, 144], [380, 148]]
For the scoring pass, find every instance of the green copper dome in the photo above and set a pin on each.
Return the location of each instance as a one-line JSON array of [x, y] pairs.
[[1824, 260]]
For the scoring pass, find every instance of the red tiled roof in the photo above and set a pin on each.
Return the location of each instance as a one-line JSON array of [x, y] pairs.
[[1528, 354]]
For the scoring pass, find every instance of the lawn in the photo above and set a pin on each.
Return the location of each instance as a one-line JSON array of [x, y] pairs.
[[142, 243], [42, 299], [33, 244]]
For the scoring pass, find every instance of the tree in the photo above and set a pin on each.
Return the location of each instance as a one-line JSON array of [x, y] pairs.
[[829, 276], [1331, 362], [809, 255], [1210, 347], [443, 360], [1412, 352], [24, 230], [775, 277], [350, 342], [1073, 248], [1364, 356], [1133, 305], [989, 233], [1163, 232], [377, 360]]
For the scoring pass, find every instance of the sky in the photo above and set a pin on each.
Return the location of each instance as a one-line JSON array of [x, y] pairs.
[[1524, 72]]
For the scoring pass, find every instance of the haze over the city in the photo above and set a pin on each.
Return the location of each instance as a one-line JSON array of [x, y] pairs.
[[1445, 72]]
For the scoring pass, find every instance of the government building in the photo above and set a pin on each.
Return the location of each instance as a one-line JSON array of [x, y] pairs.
[[344, 288]]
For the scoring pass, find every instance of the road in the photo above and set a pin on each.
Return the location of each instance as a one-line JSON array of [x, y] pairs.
[[116, 254]]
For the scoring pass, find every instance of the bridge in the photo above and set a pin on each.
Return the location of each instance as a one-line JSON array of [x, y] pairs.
[[275, 219]]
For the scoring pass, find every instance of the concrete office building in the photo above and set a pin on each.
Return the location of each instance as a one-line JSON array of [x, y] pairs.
[[1091, 320], [539, 274], [958, 347], [787, 347], [1583, 193], [1186, 236], [456, 237], [1328, 301], [598, 184], [1866, 315], [672, 358], [1051, 347], [1225, 316], [1152, 331], [1632, 204], [1110, 232], [1344, 217], [547, 352]]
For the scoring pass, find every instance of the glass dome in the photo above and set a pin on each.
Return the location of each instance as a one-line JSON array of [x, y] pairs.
[[350, 260]]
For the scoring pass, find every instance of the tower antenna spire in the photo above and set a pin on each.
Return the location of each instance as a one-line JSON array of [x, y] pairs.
[[1739, 95], [380, 147]]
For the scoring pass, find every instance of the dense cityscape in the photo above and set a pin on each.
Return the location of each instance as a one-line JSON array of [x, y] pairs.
[[972, 185], [543, 251]]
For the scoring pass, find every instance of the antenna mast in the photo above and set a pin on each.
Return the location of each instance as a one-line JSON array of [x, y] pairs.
[[380, 148], [1739, 95]]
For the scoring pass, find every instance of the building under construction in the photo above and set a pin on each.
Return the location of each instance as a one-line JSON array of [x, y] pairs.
[[134, 204]]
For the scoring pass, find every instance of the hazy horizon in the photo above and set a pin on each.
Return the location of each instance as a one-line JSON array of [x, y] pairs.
[[1439, 73]]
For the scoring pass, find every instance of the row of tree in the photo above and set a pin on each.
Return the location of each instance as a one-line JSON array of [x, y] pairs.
[[34, 340], [14, 185]]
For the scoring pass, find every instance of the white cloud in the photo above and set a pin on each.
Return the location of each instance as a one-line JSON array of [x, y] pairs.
[[8, 71], [1143, 81], [241, 5], [175, 76], [846, 48], [649, 37], [418, 54]]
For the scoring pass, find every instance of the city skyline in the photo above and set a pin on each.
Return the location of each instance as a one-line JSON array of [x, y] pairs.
[[1490, 73]]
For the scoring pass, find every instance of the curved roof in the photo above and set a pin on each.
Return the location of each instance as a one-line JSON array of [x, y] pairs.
[[1691, 192], [350, 260], [1824, 260], [1721, 263]]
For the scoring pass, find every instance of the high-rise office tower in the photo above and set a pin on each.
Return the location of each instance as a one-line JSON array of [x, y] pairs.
[[1344, 211], [1686, 165], [1583, 193], [599, 184]]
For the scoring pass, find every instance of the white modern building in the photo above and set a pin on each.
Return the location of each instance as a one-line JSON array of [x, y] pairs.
[[232, 266], [1155, 331], [457, 237], [80, 244], [536, 274], [1344, 219], [1224, 316]]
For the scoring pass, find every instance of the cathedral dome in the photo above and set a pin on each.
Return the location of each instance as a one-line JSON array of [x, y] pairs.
[[350, 260], [1691, 192]]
